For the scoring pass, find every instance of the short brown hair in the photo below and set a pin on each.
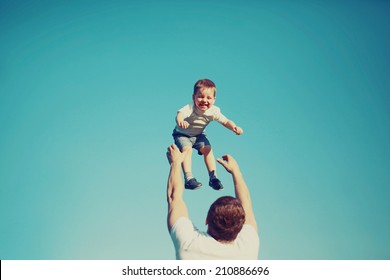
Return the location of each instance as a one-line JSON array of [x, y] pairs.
[[225, 218], [204, 83]]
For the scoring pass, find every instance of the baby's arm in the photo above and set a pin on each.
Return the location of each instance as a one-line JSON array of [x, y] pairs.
[[233, 127], [180, 120]]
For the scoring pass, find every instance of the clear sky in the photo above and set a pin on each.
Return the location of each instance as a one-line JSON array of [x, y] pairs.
[[88, 95]]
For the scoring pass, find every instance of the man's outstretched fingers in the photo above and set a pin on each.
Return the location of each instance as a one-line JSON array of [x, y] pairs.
[[224, 162], [220, 161]]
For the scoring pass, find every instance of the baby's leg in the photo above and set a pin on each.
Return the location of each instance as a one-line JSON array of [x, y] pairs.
[[187, 162], [185, 144], [209, 159], [190, 182]]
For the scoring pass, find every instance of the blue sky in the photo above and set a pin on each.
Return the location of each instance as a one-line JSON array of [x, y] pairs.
[[88, 95]]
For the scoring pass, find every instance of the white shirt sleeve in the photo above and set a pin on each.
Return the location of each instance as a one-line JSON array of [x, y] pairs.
[[218, 116], [186, 110], [182, 232]]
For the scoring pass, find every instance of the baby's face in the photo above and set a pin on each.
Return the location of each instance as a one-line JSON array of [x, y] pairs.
[[204, 99]]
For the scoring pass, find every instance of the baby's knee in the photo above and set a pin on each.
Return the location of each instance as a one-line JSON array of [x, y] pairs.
[[186, 149], [205, 150]]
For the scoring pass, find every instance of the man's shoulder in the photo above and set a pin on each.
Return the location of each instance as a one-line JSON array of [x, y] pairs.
[[249, 232], [183, 232], [249, 227], [180, 223]]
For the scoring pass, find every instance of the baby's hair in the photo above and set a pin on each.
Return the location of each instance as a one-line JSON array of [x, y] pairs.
[[204, 83]]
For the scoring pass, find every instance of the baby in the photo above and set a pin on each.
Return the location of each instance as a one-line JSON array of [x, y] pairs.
[[191, 121]]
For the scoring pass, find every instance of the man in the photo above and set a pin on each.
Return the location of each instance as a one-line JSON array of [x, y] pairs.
[[232, 228]]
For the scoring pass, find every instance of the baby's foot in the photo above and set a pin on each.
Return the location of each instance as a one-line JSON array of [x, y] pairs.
[[215, 183], [192, 184]]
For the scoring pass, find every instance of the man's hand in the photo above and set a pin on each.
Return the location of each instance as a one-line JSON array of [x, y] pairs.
[[174, 154], [229, 163]]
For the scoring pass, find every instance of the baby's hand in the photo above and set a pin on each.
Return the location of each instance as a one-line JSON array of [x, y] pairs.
[[238, 130], [183, 124]]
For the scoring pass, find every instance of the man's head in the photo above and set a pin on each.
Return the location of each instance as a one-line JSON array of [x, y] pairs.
[[204, 94], [225, 219]]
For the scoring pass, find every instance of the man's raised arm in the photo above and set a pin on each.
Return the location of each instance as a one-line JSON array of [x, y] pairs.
[[176, 205], [240, 188]]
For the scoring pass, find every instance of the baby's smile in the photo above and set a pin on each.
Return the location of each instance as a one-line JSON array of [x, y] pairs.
[[204, 99]]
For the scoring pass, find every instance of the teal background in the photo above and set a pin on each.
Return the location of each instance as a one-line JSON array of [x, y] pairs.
[[88, 95]]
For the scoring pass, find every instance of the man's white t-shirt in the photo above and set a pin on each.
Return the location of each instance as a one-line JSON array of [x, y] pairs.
[[192, 244]]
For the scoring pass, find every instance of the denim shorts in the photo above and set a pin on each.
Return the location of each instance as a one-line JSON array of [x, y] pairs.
[[197, 142]]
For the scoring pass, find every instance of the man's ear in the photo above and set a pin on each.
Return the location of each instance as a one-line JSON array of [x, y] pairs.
[[207, 222]]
